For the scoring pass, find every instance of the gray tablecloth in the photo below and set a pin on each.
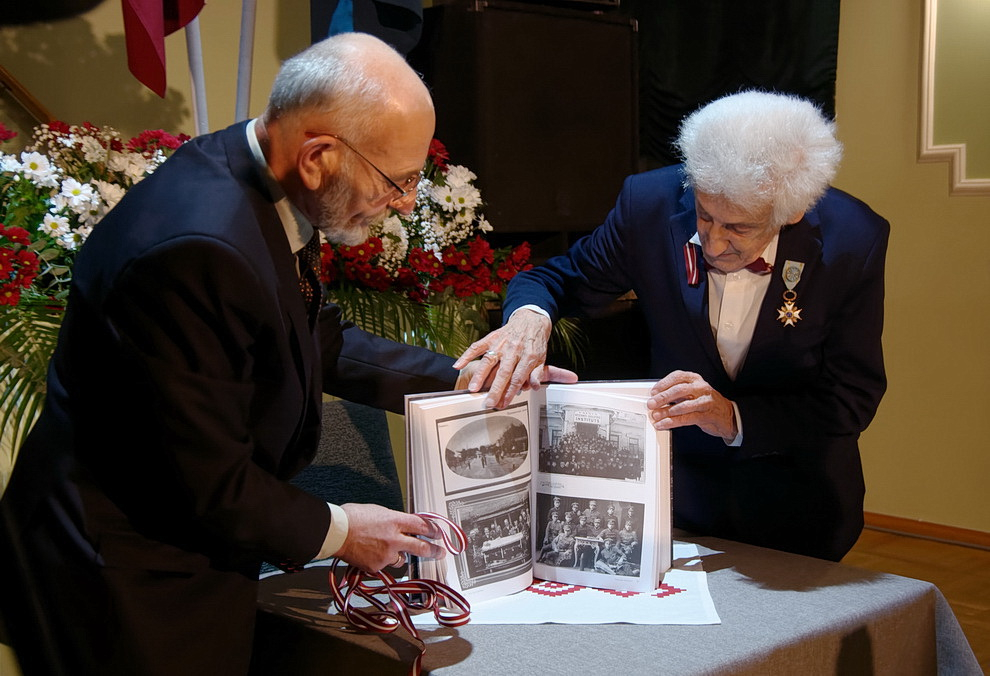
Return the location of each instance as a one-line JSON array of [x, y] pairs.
[[781, 614]]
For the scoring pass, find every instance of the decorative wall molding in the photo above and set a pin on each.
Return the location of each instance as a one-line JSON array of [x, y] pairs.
[[954, 153]]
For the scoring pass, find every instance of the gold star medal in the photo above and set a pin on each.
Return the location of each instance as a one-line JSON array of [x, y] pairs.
[[790, 314]]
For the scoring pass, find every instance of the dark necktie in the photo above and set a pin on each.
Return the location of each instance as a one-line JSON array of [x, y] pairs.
[[309, 276]]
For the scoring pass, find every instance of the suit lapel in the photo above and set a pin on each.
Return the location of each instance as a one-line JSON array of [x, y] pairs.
[[802, 243], [683, 225], [291, 307]]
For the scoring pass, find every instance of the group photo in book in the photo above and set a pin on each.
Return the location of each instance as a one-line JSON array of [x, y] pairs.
[[498, 527], [589, 538], [591, 441], [569, 483]]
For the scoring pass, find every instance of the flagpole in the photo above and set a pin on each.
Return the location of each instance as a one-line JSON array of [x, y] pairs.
[[245, 60], [194, 50]]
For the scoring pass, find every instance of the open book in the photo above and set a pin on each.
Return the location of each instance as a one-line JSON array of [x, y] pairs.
[[570, 483]]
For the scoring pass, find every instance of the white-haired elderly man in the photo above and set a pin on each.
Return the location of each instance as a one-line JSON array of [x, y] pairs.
[[762, 291]]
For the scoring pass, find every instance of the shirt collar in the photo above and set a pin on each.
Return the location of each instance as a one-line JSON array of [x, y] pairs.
[[769, 253], [298, 229]]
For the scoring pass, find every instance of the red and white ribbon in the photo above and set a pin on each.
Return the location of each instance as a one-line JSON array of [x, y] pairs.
[[691, 264], [398, 597]]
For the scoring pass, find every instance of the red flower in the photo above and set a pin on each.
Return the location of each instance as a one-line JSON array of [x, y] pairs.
[[58, 127], [6, 134], [438, 154], [151, 140], [457, 259], [15, 234], [9, 295], [407, 281], [364, 251], [368, 275], [423, 261], [480, 250]]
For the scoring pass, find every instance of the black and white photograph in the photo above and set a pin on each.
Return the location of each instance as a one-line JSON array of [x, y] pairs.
[[591, 441], [480, 447], [498, 526], [589, 534]]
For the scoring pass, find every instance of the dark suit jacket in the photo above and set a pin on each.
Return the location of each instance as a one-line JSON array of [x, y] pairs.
[[805, 392], [184, 392]]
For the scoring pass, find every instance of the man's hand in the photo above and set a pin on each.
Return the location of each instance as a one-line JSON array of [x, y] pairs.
[[512, 359], [378, 536], [683, 398]]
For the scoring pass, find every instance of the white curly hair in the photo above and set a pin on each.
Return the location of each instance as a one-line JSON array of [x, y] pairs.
[[757, 150]]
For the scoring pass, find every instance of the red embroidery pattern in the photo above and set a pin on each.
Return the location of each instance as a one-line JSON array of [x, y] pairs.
[[553, 589], [667, 590], [620, 594]]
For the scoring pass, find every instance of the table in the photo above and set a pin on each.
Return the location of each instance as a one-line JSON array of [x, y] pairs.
[[781, 614]]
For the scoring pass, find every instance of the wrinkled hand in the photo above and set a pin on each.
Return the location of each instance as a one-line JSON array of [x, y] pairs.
[[512, 359], [683, 398], [377, 536]]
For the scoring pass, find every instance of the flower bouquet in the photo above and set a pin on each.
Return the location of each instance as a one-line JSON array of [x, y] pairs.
[[429, 278], [52, 195]]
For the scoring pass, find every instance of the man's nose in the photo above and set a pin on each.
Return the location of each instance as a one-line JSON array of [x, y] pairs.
[[404, 204], [716, 243]]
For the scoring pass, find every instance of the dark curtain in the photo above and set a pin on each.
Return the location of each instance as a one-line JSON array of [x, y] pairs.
[[693, 51], [397, 22]]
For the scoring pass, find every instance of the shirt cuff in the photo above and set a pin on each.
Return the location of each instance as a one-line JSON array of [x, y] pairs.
[[336, 534], [535, 308], [739, 435]]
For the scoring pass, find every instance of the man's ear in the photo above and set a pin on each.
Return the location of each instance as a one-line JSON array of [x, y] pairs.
[[316, 159]]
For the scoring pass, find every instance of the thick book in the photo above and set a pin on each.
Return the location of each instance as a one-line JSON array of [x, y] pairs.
[[569, 483]]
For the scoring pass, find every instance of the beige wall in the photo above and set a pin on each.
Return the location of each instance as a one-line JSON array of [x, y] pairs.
[[926, 455]]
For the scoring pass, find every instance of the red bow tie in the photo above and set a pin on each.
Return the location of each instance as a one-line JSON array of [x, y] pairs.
[[694, 265]]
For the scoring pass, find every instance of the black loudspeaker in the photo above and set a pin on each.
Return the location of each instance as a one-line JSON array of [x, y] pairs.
[[540, 102]]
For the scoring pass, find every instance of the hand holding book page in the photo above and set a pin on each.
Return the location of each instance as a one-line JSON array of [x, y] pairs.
[[570, 483]]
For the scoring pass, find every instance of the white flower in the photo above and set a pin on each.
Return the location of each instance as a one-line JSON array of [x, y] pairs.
[[132, 165], [110, 192], [54, 226], [444, 196], [484, 225], [9, 164], [92, 150], [458, 176], [73, 240], [78, 196], [37, 168], [466, 196]]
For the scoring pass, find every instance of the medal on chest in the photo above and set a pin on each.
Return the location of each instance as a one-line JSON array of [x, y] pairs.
[[789, 314]]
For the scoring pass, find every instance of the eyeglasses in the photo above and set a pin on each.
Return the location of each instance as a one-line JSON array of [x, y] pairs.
[[407, 186]]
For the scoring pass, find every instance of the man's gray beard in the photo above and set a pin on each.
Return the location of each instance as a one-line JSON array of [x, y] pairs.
[[335, 228]]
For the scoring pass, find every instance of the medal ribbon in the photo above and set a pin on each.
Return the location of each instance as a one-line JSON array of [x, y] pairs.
[[398, 597]]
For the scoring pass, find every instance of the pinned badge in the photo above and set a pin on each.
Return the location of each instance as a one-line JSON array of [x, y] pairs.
[[789, 314]]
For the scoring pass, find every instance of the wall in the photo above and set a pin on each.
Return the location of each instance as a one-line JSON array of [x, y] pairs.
[[77, 67], [926, 455]]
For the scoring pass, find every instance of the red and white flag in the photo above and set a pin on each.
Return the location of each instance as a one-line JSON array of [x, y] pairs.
[[146, 23]]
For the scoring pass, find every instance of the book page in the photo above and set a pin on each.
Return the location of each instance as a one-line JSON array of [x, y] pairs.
[[473, 465], [601, 488]]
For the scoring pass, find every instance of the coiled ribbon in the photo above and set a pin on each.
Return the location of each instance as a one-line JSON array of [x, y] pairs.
[[392, 600]]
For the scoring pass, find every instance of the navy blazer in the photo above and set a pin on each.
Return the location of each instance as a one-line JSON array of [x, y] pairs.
[[185, 390], [805, 392]]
